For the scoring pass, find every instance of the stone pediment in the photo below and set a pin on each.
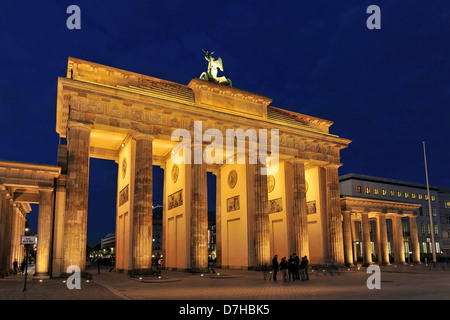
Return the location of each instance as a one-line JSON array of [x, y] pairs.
[[233, 100]]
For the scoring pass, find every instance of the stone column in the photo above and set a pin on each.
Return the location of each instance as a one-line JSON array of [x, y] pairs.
[[399, 248], [45, 227], [262, 222], [142, 218], [414, 239], [334, 218], [7, 244], [383, 250], [348, 243], [367, 254], [299, 212], [3, 216], [15, 237], [218, 220], [77, 191], [199, 218], [354, 239]]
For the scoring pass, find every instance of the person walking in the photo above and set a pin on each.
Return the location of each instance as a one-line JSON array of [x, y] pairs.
[[291, 268], [284, 268], [16, 266], [306, 267], [275, 267], [297, 266], [302, 269]]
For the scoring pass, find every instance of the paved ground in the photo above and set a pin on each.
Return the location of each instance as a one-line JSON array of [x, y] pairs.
[[397, 283]]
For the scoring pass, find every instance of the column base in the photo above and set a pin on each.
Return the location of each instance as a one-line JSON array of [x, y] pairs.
[[141, 272], [41, 276]]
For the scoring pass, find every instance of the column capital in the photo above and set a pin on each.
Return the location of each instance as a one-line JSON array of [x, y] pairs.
[[78, 124], [138, 135], [45, 189], [332, 166]]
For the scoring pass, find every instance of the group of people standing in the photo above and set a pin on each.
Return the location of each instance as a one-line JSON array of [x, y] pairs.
[[292, 269]]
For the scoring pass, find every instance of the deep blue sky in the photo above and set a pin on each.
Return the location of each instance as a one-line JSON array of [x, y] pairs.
[[387, 90]]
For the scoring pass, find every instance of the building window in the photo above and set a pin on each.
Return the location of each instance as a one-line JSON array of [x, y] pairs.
[[358, 189], [399, 194], [413, 195], [420, 196], [391, 193], [447, 204], [383, 191], [421, 211], [424, 247], [436, 231], [405, 228], [429, 228], [434, 211], [433, 198], [422, 228], [375, 191], [426, 197], [406, 195], [438, 249], [368, 190]]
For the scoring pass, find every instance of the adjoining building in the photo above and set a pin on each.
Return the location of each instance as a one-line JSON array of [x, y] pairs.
[[444, 212], [399, 193], [108, 241]]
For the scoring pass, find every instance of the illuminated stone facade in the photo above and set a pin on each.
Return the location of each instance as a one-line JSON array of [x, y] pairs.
[[129, 118], [22, 184]]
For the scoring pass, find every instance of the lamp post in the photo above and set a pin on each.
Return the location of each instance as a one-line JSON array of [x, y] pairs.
[[433, 245]]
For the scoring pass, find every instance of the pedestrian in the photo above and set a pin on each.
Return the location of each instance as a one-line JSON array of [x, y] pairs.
[[297, 266], [160, 262], [16, 266], [302, 269], [306, 267], [275, 267], [211, 266], [291, 268], [22, 265], [284, 268]]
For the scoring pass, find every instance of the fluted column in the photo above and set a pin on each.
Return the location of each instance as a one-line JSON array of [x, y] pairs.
[[414, 239], [399, 248], [367, 254], [3, 216], [77, 191], [199, 215], [218, 220], [383, 250], [45, 226], [348, 243], [142, 217], [15, 239], [8, 263], [261, 217], [300, 213], [334, 219]]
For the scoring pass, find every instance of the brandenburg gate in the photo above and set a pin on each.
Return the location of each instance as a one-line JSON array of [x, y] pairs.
[[130, 118]]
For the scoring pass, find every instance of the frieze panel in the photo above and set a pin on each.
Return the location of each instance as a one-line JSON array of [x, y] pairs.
[[275, 205], [233, 204], [175, 199], [311, 207], [123, 196]]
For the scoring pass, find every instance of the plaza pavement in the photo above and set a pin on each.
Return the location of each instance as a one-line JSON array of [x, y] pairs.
[[397, 283]]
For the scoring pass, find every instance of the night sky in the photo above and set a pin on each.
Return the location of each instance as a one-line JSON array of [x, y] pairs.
[[386, 90]]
